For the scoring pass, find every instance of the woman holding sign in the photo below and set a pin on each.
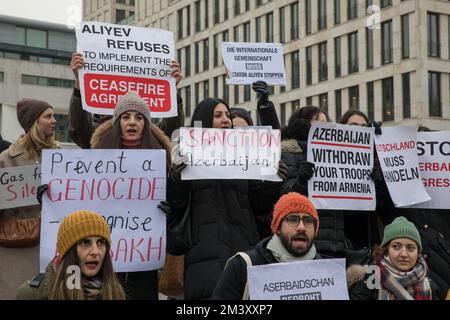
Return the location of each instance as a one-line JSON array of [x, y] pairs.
[[399, 273], [20, 227], [221, 211], [131, 128], [83, 269]]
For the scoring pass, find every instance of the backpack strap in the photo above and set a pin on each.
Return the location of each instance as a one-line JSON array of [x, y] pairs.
[[248, 262]]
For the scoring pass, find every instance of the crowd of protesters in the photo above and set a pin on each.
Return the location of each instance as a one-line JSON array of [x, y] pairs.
[[232, 220]]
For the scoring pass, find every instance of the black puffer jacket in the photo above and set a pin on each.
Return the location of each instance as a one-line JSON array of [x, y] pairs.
[[222, 224], [434, 230], [331, 239], [232, 282]]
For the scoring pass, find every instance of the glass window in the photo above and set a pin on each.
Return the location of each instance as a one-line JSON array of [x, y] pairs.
[[187, 65], [386, 3], [370, 101], [309, 101], [217, 11], [197, 57], [188, 24], [225, 3], [323, 102], [388, 99], [62, 128], [323, 66], [308, 65], [295, 66], [2, 76], [120, 15], [353, 52], [197, 93], [206, 14], [307, 16], [187, 101], [180, 23], [237, 7], [247, 93], [247, 32], [338, 103], [353, 97], [36, 38], [283, 22], [322, 23], [205, 54], [434, 94], [406, 88], [225, 90], [369, 48], [352, 9], [216, 86], [386, 42], [269, 27], [20, 36], [197, 16], [405, 36], [236, 94], [433, 35], [294, 21], [337, 11], [337, 57], [258, 29], [216, 50], [283, 114]]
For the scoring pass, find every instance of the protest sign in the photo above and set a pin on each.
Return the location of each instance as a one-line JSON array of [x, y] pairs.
[[120, 58], [433, 149], [396, 149], [124, 186], [18, 186], [248, 62], [343, 160], [322, 279], [230, 153]]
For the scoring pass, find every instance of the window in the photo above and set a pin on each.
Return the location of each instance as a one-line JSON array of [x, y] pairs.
[[216, 87], [225, 16], [386, 42], [295, 105], [258, 29], [368, 4], [337, 57], [180, 23], [369, 48], [225, 36], [216, 50], [353, 52], [247, 32], [120, 15], [236, 34], [405, 36], [353, 97], [187, 63], [197, 16], [237, 7], [225, 90], [386, 3], [434, 94], [197, 57], [283, 22], [294, 21], [295, 65], [433, 35], [216, 11], [308, 65], [323, 102], [352, 9], [62, 128], [187, 101], [247, 5], [269, 27], [44, 81], [36, 38], [406, 88], [2, 76], [197, 93], [323, 67], [338, 103], [188, 24], [247, 93], [307, 16], [283, 114], [388, 99], [236, 94], [337, 11], [309, 101], [205, 54], [206, 13], [370, 101], [205, 89], [322, 18]]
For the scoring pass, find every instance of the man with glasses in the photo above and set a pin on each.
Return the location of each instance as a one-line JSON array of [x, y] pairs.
[[295, 224]]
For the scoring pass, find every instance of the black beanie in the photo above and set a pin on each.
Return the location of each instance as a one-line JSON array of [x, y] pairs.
[[29, 110]]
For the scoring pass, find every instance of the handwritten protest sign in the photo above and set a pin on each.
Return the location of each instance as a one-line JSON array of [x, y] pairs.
[[248, 62], [396, 149], [434, 166], [322, 279], [18, 186], [121, 58], [230, 153], [124, 186], [343, 160]]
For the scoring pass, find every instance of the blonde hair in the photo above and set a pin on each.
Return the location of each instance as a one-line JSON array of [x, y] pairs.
[[34, 141]]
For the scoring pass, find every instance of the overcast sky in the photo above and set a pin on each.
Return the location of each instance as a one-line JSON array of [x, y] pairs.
[[56, 11]]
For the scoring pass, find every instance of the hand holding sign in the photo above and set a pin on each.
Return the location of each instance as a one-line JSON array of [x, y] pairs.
[[76, 64], [175, 71]]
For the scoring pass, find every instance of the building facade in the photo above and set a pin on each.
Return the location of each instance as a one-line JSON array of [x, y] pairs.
[[389, 58], [34, 63]]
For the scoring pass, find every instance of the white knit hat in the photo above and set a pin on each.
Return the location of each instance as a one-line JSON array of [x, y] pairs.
[[131, 101]]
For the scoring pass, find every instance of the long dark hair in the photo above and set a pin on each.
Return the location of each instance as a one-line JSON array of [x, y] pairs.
[[244, 114], [111, 287], [204, 112], [112, 139], [300, 122], [352, 112]]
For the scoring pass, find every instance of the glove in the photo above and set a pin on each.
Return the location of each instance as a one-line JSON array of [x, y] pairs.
[[305, 172], [262, 92], [282, 170], [165, 207], [175, 173], [376, 125], [40, 191]]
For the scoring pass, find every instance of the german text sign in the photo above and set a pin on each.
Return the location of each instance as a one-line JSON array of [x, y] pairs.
[[18, 186], [120, 58], [249, 62], [230, 153], [322, 279], [433, 149], [343, 160], [124, 186], [396, 149]]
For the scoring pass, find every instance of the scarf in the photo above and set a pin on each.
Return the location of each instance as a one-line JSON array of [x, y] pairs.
[[399, 285], [131, 143], [280, 253], [92, 288]]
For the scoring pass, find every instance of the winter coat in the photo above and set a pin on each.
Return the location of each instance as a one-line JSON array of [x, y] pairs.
[[24, 260], [434, 230], [82, 126], [231, 284], [268, 116], [37, 288], [4, 144], [222, 224], [356, 282], [141, 285]]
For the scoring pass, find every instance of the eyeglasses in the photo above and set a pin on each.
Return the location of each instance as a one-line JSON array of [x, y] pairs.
[[293, 220], [409, 247]]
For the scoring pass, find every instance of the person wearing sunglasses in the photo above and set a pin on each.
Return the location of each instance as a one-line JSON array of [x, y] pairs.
[[295, 224]]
